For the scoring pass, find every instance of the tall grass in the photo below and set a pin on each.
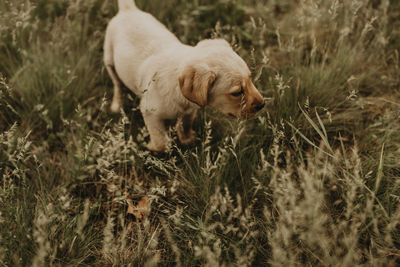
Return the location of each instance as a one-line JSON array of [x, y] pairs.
[[313, 180]]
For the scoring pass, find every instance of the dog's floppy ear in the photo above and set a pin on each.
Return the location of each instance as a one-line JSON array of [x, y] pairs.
[[195, 82]]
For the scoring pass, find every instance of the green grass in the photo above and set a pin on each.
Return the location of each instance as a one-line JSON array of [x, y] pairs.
[[314, 180]]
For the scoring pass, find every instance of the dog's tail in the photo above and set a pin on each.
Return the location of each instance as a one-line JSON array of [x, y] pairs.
[[126, 5]]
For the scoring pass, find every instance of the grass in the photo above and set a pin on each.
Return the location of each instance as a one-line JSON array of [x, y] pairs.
[[313, 180]]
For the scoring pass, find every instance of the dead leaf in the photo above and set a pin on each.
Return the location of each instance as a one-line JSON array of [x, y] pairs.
[[140, 210]]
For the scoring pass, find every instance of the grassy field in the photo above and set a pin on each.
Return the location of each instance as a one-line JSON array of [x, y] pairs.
[[314, 180]]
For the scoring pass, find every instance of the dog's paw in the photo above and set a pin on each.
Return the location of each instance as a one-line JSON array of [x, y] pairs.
[[156, 147], [186, 139]]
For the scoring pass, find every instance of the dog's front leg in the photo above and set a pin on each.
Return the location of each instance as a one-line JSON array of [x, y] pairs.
[[157, 132], [184, 125]]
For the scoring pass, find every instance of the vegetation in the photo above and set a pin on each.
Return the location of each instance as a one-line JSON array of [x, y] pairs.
[[314, 180]]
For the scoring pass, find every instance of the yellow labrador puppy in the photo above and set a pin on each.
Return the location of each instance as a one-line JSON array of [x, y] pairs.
[[173, 79]]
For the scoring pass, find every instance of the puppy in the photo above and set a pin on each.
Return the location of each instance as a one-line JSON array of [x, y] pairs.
[[172, 79]]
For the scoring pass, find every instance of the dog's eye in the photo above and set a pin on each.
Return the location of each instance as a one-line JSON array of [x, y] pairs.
[[239, 93], [213, 83]]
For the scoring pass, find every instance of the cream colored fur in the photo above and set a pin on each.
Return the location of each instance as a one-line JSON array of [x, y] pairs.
[[172, 79]]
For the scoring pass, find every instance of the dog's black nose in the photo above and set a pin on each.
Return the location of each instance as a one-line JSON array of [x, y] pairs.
[[260, 106]]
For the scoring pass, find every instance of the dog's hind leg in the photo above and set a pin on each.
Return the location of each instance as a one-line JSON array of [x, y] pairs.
[[116, 101], [109, 63]]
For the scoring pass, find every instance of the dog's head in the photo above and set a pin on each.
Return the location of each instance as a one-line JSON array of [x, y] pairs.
[[216, 76]]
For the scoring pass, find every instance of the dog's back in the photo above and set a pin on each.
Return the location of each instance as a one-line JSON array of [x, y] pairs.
[[141, 25], [132, 36]]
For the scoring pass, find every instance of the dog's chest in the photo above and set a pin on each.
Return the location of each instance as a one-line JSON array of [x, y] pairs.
[[173, 109]]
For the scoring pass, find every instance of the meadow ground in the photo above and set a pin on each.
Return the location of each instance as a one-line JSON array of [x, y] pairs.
[[314, 180]]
